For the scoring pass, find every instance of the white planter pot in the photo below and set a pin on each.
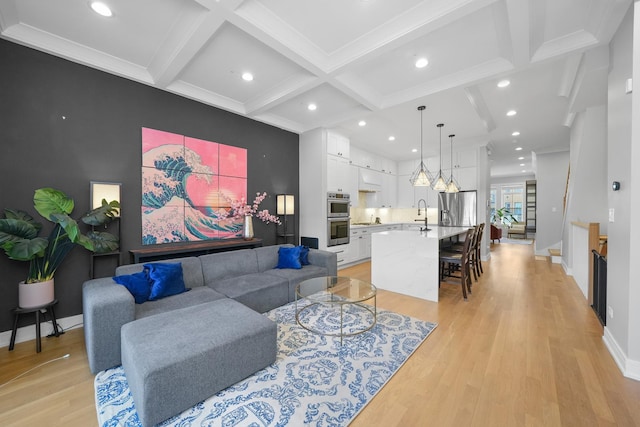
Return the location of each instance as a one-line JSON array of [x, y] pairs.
[[35, 294]]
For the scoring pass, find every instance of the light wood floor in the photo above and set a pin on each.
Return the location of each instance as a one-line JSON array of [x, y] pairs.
[[524, 350]]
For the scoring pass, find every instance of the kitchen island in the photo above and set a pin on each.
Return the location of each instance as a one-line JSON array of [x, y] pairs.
[[407, 262]]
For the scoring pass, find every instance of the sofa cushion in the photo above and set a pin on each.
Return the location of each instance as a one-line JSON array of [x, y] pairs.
[[259, 291], [224, 265], [268, 256], [191, 270], [195, 296], [294, 277], [289, 258]]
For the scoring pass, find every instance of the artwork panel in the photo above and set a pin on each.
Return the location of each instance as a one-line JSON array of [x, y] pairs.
[[232, 189], [233, 161], [160, 189], [203, 223], [208, 152], [163, 225], [203, 190], [159, 147]]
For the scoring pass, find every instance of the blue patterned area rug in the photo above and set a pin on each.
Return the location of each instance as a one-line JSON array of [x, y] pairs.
[[314, 381]]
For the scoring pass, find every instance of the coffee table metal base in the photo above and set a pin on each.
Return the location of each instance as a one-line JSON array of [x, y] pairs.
[[370, 309]]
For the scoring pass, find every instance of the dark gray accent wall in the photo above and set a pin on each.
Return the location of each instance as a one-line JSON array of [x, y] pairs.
[[63, 125]]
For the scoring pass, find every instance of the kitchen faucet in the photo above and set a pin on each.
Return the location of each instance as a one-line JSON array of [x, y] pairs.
[[426, 217]]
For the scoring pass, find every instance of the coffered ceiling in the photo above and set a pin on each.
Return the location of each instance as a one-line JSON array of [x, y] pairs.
[[354, 59]]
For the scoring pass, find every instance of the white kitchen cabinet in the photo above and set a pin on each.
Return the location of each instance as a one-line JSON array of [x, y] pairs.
[[362, 244], [389, 191], [466, 158], [388, 166], [343, 252], [467, 178], [337, 145], [339, 177], [366, 160]]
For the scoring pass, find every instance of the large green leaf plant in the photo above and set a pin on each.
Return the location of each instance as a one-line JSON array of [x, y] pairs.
[[20, 240], [503, 216]]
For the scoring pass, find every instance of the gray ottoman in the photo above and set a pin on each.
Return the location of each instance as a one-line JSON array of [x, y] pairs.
[[176, 359]]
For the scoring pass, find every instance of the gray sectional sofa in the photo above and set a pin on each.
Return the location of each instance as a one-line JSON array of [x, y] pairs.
[[247, 276]]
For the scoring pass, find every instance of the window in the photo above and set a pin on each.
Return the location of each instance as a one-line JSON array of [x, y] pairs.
[[509, 196]]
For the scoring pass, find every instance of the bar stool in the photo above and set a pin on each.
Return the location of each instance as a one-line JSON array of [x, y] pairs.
[[37, 310], [461, 261]]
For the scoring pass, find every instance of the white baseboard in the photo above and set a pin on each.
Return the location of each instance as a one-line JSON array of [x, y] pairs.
[[629, 368], [27, 333]]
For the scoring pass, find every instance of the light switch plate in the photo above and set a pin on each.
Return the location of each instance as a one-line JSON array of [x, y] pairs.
[[611, 215]]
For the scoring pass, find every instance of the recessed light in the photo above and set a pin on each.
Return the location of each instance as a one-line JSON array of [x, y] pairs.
[[521, 164], [518, 148], [392, 138], [504, 83], [101, 9], [511, 113], [516, 133], [520, 158], [415, 150], [422, 62], [312, 107], [247, 77], [523, 170], [362, 123]]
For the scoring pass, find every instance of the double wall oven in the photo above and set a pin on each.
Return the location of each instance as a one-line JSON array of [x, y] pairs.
[[337, 219]]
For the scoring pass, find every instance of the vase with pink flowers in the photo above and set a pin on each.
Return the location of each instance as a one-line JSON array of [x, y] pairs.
[[240, 210]]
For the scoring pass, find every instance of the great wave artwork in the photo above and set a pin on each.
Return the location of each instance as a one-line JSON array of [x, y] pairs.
[[188, 187]]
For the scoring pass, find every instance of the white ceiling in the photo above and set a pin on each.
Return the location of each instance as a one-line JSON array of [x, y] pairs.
[[355, 60]]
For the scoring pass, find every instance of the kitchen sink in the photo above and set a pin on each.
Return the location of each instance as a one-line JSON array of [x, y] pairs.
[[365, 223]]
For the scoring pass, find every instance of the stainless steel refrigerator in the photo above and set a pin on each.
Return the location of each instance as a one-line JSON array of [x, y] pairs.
[[457, 209]]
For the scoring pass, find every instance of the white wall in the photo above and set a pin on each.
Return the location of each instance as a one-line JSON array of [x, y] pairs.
[[551, 179], [622, 333], [587, 195]]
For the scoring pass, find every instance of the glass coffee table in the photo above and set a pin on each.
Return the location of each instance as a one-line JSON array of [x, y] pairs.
[[335, 306]]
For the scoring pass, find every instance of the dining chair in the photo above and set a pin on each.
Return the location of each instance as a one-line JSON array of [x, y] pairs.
[[458, 262]]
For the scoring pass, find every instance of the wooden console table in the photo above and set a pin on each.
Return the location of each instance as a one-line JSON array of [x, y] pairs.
[[176, 250]]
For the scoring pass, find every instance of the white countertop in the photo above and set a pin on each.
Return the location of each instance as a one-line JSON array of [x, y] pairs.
[[435, 232]]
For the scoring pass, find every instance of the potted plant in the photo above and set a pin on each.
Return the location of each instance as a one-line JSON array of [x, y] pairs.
[[503, 216], [20, 240]]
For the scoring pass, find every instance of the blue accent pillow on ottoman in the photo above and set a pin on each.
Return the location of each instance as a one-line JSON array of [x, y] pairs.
[[166, 279], [289, 258], [137, 284]]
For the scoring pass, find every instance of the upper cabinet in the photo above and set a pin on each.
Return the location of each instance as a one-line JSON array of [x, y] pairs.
[[338, 145], [339, 176], [364, 159]]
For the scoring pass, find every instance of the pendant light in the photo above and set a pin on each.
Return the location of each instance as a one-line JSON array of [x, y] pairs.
[[421, 177], [452, 185], [440, 184]]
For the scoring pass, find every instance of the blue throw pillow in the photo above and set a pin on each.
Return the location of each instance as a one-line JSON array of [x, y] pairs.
[[137, 284], [289, 258], [166, 279], [304, 255]]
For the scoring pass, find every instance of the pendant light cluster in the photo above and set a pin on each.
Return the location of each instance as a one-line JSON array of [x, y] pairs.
[[440, 184], [452, 185], [421, 177]]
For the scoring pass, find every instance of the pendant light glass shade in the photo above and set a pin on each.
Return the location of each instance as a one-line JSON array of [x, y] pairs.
[[421, 177], [452, 185], [440, 184]]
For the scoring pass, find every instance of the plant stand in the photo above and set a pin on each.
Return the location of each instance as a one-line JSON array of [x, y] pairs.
[[38, 310]]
